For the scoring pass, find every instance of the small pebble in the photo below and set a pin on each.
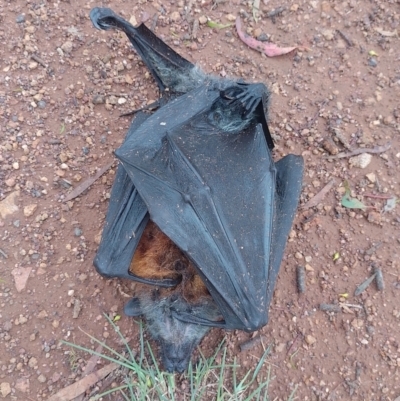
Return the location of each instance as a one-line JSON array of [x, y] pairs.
[[175, 16], [372, 62], [32, 362], [310, 340], [67, 46], [203, 19], [98, 99], [263, 37], [77, 232], [20, 18], [5, 389], [360, 161]]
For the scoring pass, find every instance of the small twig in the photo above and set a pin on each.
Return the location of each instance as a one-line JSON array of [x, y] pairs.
[[351, 305], [378, 196], [53, 141], [345, 38], [246, 345], [154, 22], [91, 41], [2, 253], [319, 197], [195, 28], [363, 286], [293, 343], [86, 184], [358, 370], [39, 60], [117, 94], [359, 151], [276, 11]]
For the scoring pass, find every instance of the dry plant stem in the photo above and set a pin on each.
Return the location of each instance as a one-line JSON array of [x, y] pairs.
[[359, 151], [348, 41], [378, 196], [36, 58]]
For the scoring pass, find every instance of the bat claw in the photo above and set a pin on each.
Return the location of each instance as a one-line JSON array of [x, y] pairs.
[[249, 96], [98, 15]]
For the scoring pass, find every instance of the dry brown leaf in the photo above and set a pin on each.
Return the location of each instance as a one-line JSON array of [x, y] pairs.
[[75, 389], [90, 365]]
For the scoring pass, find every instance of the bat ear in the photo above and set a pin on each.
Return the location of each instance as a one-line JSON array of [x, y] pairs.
[[132, 308]]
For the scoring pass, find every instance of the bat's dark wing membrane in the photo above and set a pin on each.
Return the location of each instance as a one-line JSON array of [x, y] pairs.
[[126, 220], [214, 194]]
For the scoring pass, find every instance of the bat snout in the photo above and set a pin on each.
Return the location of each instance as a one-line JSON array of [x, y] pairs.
[[176, 357], [175, 365]]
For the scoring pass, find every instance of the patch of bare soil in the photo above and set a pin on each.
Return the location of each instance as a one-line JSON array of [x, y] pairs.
[[62, 87]]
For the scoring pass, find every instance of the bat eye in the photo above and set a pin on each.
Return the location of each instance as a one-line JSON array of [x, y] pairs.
[[179, 266]]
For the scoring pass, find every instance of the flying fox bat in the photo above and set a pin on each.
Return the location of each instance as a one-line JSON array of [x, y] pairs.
[[200, 168]]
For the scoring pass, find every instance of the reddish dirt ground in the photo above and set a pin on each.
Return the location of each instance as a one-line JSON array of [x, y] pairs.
[[63, 86]]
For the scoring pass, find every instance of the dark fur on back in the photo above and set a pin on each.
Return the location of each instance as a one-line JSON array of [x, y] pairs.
[[158, 257]]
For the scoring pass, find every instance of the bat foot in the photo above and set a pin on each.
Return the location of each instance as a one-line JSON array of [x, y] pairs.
[[248, 95], [152, 106]]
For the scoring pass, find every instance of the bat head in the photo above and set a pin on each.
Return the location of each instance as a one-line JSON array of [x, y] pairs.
[[177, 339]]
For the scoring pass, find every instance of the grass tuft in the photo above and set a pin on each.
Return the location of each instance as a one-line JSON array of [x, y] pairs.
[[206, 380]]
